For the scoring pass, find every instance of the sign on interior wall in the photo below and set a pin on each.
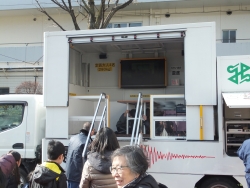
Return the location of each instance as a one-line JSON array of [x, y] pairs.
[[175, 70], [104, 66]]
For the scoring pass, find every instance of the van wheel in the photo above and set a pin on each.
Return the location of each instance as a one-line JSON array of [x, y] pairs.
[[219, 182], [23, 178]]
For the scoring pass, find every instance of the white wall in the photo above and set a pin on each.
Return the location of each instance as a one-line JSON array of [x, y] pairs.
[[23, 29]]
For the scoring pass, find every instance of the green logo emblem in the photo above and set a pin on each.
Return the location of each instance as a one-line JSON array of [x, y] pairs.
[[239, 73]]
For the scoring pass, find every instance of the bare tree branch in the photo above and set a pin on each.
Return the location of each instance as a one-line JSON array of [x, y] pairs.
[[95, 21], [100, 14], [116, 3], [60, 5], [72, 14], [86, 6], [103, 12], [114, 10], [68, 9], [92, 18], [44, 12], [107, 6]]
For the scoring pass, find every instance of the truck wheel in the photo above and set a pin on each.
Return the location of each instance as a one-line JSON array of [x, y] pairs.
[[23, 177], [219, 182]]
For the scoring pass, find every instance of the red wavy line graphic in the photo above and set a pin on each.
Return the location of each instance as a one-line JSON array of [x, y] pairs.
[[155, 155]]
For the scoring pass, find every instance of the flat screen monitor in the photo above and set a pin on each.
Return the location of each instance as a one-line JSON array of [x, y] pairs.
[[143, 73]]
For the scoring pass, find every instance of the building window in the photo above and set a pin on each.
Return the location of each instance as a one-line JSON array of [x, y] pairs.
[[229, 36], [120, 25], [4, 90]]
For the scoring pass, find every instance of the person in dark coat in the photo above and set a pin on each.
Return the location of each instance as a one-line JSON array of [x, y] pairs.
[[244, 154], [14, 179], [146, 123], [129, 166], [50, 174], [7, 167], [2, 179], [74, 160], [121, 124], [7, 164]]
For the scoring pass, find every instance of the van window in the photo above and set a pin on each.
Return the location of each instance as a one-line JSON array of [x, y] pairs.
[[169, 116], [11, 115]]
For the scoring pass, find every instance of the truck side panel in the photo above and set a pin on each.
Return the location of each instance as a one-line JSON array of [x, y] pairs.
[[200, 65], [56, 70]]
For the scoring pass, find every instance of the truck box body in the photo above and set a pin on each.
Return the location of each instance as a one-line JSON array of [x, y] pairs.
[[88, 62]]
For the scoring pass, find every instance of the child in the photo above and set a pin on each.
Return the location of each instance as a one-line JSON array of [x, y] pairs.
[[50, 174]]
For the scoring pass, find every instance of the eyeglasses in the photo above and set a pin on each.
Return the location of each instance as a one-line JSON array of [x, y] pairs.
[[117, 169]]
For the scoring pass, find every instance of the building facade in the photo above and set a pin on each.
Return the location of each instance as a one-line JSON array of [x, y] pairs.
[[22, 27]]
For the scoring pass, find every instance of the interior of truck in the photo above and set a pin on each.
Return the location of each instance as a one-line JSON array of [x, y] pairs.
[[103, 67]]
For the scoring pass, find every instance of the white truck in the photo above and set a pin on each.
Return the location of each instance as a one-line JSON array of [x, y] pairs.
[[200, 100]]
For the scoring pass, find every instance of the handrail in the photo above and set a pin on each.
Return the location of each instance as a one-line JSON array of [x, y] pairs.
[[101, 121], [137, 119], [92, 123]]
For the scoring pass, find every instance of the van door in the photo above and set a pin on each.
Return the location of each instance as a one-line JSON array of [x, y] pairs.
[[13, 120]]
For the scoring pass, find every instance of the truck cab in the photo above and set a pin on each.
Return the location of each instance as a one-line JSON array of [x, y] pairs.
[[22, 127]]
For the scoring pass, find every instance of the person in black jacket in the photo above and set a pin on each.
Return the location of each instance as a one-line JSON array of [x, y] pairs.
[[129, 166], [74, 160], [50, 174], [121, 124]]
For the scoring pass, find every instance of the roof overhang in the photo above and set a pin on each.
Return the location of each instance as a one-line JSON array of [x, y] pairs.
[[237, 100]]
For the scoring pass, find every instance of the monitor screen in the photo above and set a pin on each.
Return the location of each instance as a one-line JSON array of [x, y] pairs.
[[143, 73]]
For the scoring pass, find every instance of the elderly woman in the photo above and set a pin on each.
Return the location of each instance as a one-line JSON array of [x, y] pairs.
[[129, 166]]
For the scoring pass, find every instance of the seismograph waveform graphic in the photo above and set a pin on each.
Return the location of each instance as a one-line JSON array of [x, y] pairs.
[[155, 155]]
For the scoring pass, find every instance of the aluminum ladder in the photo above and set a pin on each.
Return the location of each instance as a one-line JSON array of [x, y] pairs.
[[103, 119], [136, 137]]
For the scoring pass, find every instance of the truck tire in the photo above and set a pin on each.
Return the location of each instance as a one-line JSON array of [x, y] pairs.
[[219, 182], [23, 177]]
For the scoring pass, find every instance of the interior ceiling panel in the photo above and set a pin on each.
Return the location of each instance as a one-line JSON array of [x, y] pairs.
[[143, 46]]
